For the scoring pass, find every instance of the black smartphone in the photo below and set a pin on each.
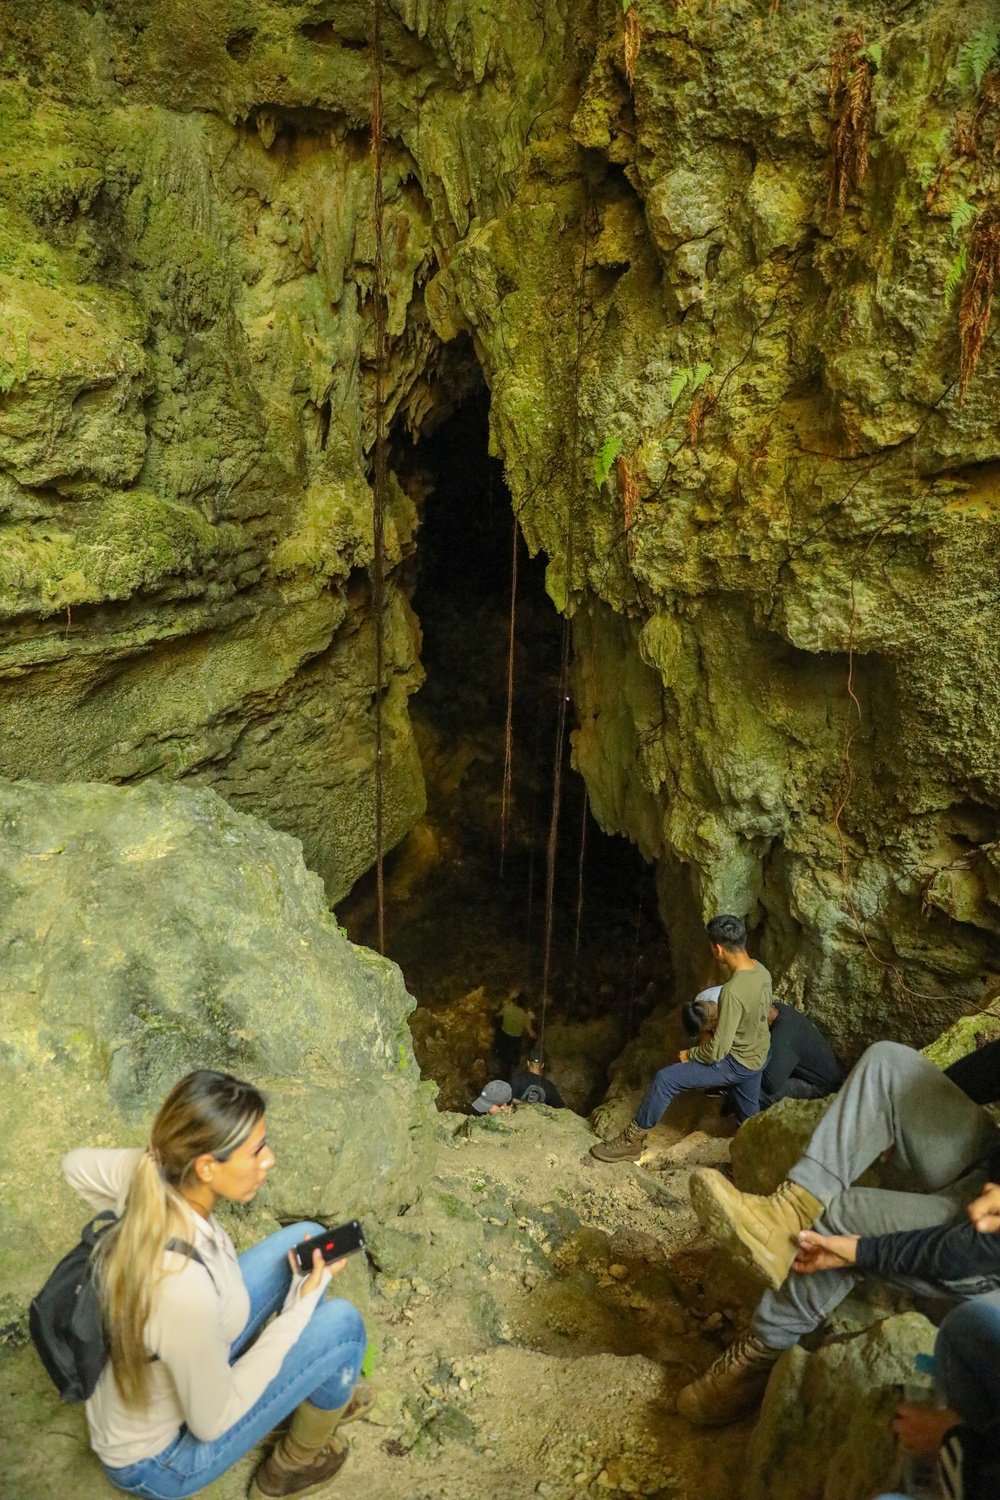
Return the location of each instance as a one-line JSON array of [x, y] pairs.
[[332, 1244]]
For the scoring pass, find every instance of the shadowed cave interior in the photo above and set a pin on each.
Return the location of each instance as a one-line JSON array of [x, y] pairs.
[[465, 929]]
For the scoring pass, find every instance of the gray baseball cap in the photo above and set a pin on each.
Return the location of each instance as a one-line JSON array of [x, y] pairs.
[[496, 1092]]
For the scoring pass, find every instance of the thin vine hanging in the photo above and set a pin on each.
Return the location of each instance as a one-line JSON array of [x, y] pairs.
[[381, 455]]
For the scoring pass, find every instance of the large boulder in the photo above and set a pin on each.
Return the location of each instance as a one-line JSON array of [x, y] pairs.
[[825, 1428], [148, 931]]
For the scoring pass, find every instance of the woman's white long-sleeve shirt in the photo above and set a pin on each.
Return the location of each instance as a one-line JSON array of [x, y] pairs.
[[191, 1329]]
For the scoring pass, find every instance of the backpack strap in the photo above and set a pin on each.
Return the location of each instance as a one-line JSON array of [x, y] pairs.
[[99, 1225], [183, 1247]]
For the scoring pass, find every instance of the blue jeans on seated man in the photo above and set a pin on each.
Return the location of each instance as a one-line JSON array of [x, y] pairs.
[[322, 1366], [727, 1073]]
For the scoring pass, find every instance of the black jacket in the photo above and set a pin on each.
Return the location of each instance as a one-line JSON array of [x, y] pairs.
[[531, 1088], [798, 1050]]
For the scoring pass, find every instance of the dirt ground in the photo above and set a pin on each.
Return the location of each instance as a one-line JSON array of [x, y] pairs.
[[532, 1317]]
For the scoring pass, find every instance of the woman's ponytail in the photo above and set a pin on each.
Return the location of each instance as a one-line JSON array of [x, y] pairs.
[[206, 1113], [131, 1255]]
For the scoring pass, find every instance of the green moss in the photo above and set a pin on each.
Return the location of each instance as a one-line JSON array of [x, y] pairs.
[[116, 546]]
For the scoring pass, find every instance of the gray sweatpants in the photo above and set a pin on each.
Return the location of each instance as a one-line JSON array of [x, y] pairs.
[[893, 1097]]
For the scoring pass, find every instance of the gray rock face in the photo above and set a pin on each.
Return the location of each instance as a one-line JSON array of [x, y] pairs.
[[824, 1431], [151, 930]]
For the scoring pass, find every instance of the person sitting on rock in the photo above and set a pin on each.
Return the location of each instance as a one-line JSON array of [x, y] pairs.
[[927, 1227], [529, 1086], [801, 1064], [732, 1058], [514, 1023], [195, 1380], [965, 1433]]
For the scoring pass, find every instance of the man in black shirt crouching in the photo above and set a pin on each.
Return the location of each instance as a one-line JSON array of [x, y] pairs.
[[530, 1086], [801, 1063]]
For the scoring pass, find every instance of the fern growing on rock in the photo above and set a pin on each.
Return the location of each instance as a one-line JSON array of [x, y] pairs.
[[604, 459], [977, 57]]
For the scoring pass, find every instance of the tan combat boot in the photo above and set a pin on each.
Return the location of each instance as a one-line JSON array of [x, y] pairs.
[[732, 1387], [628, 1146], [762, 1232], [308, 1455]]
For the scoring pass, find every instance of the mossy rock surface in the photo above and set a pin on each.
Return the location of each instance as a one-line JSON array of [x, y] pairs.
[[152, 930], [793, 556]]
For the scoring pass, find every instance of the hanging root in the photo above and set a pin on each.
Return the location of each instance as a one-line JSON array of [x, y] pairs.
[[381, 452], [508, 753], [633, 41], [977, 294], [851, 107]]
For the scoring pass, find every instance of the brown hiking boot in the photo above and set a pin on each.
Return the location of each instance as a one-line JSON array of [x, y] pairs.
[[307, 1456], [761, 1232], [628, 1146], [731, 1388], [274, 1478]]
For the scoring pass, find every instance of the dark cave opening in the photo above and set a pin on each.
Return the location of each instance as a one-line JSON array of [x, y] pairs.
[[464, 934]]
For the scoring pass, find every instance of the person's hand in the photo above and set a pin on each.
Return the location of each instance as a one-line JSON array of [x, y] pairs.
[[825, 1252], [920, 1429], [985, 1210], [682, 1056], [311, 1283]]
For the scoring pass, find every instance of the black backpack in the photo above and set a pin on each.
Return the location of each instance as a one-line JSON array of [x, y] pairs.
[[66, 1322]]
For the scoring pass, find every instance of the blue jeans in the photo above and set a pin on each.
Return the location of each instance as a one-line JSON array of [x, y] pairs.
[[322, 1366], [967, 1362], [744, 1084]]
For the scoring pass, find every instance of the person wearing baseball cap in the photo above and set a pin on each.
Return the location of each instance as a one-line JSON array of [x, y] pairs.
[[495, 1098]]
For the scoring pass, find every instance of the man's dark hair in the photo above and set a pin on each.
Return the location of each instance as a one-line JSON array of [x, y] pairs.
[[695, 1016], [729, 932]]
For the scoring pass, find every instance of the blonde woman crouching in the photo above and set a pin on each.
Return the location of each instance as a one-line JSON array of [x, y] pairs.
[[180, 1401]]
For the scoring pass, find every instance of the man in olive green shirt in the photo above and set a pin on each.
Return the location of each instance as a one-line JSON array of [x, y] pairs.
[[733, 1057]]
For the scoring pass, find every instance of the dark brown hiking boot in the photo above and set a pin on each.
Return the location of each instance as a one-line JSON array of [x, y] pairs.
[[731, 1388], [275, 1479], [628, 1146]]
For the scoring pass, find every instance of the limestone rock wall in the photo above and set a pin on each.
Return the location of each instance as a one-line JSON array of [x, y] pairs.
[[796, 548], [150, 930]]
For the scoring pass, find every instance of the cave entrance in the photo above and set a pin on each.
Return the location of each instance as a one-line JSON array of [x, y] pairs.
[[464, 935]]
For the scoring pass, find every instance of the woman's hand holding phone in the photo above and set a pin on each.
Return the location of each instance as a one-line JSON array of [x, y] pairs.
[[311, 1282]]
